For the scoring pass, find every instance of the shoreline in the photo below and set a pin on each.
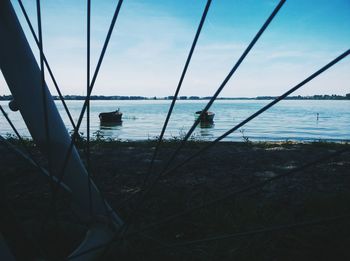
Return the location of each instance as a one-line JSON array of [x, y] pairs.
[[192, 98]]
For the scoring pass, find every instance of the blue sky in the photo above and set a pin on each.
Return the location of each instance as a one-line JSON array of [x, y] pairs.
[[152, 38]]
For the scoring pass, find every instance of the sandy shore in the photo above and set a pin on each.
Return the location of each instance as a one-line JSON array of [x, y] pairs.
[[119, 169]]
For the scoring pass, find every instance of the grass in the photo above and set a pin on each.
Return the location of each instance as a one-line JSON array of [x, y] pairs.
[[318, 192]]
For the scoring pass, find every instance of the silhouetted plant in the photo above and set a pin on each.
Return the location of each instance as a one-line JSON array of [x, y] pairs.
[[244, 137]]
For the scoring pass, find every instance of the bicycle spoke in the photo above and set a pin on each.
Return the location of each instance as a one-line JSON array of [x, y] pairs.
[[268, 106], [314, 222], [228, 77], [88, 168], [184, 71], [223, 84], [69, 151], [256, 185], [30, 156], [46, 63], [152, 176], [247, 188]]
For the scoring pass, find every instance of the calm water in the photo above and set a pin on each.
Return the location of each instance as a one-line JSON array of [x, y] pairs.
[[292, 120]]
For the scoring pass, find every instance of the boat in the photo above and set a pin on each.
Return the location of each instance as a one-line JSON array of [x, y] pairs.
[[207, 116], [111, 117]]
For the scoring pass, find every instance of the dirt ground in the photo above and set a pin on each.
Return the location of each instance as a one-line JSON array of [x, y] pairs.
[[119, 169]]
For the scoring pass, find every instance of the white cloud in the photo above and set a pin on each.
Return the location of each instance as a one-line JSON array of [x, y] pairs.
[[149, 47]]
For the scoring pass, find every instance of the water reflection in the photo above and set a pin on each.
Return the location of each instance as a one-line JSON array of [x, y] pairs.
[[206, 124], [291, 119], [111, 125], [109, 129], [206, 129]]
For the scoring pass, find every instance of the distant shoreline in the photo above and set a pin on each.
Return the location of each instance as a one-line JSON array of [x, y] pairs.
[[193, 98]]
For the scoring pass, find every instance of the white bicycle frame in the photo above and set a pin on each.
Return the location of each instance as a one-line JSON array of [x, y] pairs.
[[23, 77]]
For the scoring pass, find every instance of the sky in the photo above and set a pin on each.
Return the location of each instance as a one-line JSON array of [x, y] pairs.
[[152, 38]]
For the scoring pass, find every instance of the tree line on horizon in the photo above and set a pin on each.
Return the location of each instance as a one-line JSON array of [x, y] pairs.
[[116, 97]]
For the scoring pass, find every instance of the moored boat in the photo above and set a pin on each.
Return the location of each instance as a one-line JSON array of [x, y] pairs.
[[206, 116], [111, 117]]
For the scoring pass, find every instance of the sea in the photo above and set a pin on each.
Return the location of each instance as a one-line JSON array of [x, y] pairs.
[[289, 120]]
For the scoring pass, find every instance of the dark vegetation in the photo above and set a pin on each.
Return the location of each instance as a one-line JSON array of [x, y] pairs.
[[116, 97], [119, 169]]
